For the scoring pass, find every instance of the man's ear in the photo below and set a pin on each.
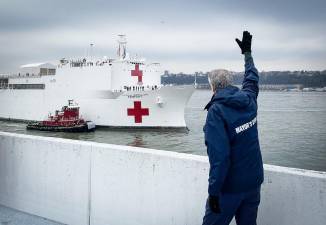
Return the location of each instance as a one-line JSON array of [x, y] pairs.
[[210, 84], [212, 88]]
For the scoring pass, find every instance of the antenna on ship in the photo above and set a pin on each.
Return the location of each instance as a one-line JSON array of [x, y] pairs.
[[91, 51], [122, 46]]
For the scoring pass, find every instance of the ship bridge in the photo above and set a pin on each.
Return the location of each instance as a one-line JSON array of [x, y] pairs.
[[37, 69]]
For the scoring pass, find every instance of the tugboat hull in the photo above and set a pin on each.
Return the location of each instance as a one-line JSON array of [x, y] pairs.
[[77, 128]]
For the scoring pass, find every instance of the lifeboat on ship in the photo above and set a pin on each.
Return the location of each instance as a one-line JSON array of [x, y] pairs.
[[67, 119]]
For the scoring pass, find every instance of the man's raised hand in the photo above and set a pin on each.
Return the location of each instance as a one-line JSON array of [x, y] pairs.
[[245, 44]]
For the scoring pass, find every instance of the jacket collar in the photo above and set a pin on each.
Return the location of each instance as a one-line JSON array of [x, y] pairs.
[[220, 94]]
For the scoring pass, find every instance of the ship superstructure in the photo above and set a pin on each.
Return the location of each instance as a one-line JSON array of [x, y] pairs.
[[123, 92]]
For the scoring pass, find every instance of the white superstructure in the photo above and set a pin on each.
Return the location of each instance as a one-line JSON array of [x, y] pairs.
[[123, 92]]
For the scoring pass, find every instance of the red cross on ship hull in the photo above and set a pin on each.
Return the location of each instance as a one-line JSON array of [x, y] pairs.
[[138, 73], [138, 112]]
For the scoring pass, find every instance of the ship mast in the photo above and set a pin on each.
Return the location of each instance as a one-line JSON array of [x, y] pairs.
[[122, 46], [91, 45]]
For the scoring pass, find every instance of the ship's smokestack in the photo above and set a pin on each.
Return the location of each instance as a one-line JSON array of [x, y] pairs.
[[122, 46]]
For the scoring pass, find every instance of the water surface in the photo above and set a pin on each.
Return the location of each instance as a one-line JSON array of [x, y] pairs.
[[292, 129]]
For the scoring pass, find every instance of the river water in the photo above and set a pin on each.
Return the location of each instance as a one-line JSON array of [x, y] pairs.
[[292, 129]]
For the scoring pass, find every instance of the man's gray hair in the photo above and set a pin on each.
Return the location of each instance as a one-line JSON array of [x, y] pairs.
[[219, 79]]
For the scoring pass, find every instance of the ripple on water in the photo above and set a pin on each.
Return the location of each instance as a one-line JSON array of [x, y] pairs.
[[292, 130]]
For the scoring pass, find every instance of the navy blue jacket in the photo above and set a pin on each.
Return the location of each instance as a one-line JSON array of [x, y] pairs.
[[231, 136]]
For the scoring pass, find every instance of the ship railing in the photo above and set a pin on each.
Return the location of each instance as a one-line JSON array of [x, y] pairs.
[[4, 75], [19, 75], [85, 63]]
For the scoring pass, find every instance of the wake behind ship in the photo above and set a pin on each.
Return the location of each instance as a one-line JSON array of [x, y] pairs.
[[120, 92]]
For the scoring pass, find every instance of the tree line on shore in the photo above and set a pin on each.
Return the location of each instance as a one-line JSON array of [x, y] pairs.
[[304, 78]]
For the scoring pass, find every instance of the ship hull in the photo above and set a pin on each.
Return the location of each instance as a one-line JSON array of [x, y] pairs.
[[161, 107]]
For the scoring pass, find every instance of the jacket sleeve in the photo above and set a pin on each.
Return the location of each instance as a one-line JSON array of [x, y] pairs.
[[218, 151], [251, 78]]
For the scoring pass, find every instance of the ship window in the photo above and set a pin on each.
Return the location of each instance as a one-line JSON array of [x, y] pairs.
[[51, 72], [46, 71], [43, 71], [27, 86], [3, 83]]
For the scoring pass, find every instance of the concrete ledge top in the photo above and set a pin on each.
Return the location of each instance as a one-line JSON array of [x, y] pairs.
[[112, 146], [9, 216], [186, 156]]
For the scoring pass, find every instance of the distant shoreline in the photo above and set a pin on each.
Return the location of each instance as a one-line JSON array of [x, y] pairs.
[[268, 80], [281, 88]]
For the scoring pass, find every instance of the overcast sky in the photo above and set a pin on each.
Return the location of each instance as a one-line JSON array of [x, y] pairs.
[[184, 35]]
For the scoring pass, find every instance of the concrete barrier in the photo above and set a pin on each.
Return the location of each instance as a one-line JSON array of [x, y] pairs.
[[144, 186], [293, 196], [46, 177], [78, 182]]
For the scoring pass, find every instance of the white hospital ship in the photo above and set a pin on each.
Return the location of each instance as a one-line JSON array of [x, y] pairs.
[[121, 92]]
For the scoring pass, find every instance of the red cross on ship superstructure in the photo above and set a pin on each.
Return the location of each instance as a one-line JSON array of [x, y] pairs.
[[138, 112], [138, 73]]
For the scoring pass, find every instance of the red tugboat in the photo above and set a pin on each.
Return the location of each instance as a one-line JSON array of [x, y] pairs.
[[67, 120]]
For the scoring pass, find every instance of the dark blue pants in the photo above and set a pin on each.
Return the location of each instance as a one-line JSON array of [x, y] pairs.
[[243, 206]]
